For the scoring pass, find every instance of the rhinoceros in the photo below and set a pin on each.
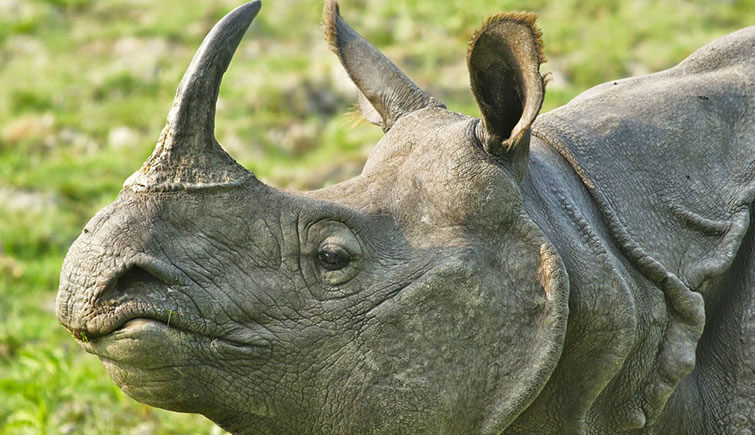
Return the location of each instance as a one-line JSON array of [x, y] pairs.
[[591, 270]]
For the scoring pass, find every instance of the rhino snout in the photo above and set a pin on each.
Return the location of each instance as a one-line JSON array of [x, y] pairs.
[[93, 306]]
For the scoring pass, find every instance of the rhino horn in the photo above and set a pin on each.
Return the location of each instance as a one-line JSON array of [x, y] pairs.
[[187, 155], [386, 93]]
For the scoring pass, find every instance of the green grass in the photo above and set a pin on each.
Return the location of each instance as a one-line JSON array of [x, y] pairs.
[[85, 87]]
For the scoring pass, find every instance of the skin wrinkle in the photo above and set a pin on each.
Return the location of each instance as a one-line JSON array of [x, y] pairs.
[[647, 264], [210, 277], [252, 316], [278, 249], [592, 240], [166, 254], [228, 245], [547, 210], [297, 253], [147, 381], [283, 310], [103, 254], [199, 234], [412, 279], [197, 285], [298, 311]]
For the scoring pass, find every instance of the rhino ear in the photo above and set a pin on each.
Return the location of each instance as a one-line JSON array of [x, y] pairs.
[[504, 60], [388, 93]]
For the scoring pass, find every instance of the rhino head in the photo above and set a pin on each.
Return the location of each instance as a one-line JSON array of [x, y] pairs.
[[417, 296]]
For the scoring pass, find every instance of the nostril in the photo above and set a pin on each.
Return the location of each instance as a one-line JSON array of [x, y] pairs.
[[133, 277], [135, 281]]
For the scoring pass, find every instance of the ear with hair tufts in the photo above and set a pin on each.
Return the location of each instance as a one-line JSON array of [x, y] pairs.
[[385, 92], [504, 60]]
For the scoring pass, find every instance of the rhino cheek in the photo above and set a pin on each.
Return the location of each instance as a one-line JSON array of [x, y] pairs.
[[410, 367]]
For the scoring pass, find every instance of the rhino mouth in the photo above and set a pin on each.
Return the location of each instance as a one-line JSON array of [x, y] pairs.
[[147, 301], [138, 293]]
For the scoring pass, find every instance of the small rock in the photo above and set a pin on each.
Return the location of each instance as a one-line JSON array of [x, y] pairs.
[[145, 428], [140, 56], [77, 141], [70, 415], [34, 52], [69, 428], [122, 137], [25, 200]]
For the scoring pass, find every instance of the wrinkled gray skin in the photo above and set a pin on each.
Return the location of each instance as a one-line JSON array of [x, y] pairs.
[[589, 272]]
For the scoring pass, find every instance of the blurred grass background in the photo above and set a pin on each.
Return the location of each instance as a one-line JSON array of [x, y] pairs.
[[85, 87]]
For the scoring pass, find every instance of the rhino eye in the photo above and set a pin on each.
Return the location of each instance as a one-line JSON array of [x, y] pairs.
[[333, 257]]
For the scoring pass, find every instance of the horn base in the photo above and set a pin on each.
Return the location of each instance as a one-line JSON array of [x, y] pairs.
[[168, 170]]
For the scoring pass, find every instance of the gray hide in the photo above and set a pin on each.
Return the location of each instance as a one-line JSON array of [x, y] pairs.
[[588, 271]]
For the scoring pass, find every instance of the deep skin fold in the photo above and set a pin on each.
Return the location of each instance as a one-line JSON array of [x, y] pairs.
[[451, 315]]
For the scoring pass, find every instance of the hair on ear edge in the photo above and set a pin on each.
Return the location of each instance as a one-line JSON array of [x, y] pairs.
[[354, 116], [547, 78], [522, 18], [330, 14]]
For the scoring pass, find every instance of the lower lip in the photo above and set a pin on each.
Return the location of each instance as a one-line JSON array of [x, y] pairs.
[[147, 342], [135, 326], [134, 336]]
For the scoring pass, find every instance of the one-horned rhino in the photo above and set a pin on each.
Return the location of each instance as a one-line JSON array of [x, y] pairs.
[[591, 271]]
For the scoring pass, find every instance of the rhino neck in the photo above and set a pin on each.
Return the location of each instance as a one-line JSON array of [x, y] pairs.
[[557, 201], [621, 319]]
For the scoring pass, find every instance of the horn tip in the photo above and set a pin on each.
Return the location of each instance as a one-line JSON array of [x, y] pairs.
[[245, 12], [250, 9], [253, 5]]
